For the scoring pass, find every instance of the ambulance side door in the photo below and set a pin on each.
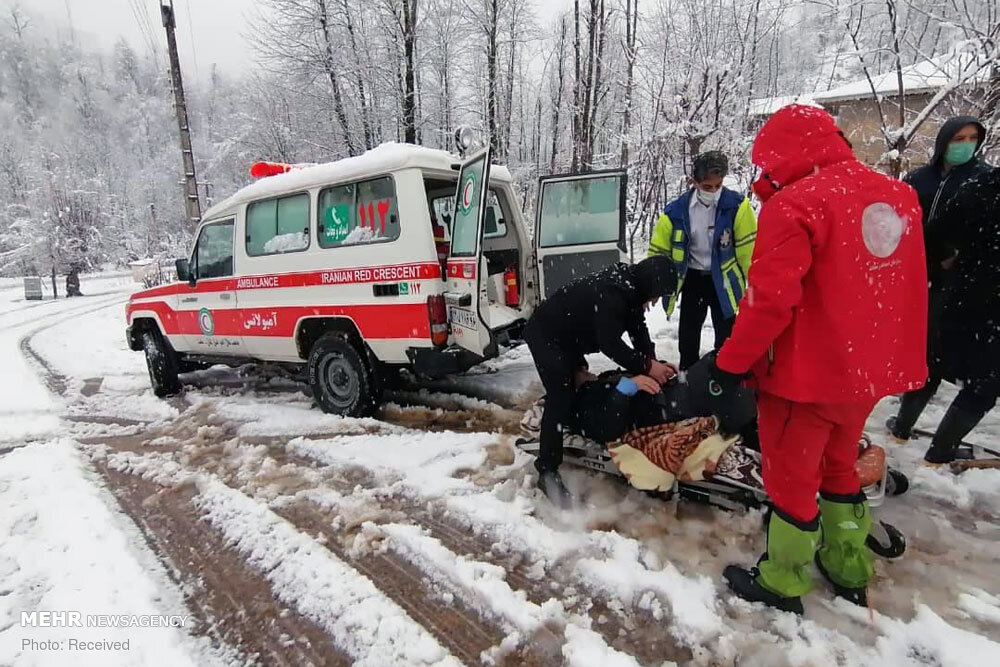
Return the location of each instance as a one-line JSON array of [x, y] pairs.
[[579, 226], [207, 308], [465, 293]]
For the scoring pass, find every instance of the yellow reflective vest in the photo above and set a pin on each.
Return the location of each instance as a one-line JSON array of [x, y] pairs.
[[732, 245]]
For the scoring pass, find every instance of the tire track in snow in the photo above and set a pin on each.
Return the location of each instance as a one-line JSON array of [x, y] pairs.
[[230, 603], [634, 631], [462, 630]]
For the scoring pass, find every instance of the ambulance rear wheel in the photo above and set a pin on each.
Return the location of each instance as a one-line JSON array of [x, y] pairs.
[[341, 382]]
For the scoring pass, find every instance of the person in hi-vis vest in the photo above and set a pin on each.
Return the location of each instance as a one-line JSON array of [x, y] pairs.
[[708, 233]]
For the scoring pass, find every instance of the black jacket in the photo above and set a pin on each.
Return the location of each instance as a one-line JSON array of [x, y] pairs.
[[935, 188], [591, 313], [970, 323]]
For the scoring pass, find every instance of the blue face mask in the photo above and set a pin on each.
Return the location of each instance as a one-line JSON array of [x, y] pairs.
[[959, 153]]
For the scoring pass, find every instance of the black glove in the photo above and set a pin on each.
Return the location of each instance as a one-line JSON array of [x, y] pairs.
[[720, 393], [727, 382]]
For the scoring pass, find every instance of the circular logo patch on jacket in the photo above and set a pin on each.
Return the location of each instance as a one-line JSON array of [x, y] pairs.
[[882, 229], [205, 321]]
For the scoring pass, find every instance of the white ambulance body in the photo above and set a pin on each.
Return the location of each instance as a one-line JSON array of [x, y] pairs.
[[337, 267]]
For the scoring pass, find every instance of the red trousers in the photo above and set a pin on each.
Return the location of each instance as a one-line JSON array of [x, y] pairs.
[[809, 447]]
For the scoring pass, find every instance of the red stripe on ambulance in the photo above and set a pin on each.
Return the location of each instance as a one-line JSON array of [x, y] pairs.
[[357, 275], [375, 321]]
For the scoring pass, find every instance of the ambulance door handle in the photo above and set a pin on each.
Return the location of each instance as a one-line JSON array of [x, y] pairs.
[[225, 296], [458, 299]]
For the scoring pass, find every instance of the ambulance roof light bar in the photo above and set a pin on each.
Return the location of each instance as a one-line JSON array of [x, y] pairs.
[[263, 169]]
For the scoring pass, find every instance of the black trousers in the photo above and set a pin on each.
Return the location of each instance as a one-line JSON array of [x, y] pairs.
[[557, 369], [913, 402], [698, 297]]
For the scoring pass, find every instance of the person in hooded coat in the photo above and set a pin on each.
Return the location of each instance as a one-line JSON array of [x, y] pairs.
[[937, 183], [833, 320], [969, 349], [590, 315]]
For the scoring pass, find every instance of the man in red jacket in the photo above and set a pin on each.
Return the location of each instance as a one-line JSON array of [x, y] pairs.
[[833, 320]]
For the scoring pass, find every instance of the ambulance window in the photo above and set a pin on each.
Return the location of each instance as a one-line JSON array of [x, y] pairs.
[[278, 225], [495, 224], [442, 207], [358, 213], [578, 212], [213, 255]]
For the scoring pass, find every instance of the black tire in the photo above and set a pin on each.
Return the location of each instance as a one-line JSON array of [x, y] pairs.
[[342, 382], [897, 484], [886, 541], [162, 364]]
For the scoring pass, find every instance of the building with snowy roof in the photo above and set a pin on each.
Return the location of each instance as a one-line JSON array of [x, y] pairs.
[[853, 105]]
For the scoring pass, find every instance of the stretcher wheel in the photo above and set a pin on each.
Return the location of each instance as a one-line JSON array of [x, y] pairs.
[[897, 484], [886, 541]]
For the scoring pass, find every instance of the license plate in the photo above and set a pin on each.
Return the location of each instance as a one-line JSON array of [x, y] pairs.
[[462, 317]]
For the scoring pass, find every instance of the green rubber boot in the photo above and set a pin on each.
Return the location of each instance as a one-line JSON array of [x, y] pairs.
[[791, 545], [844, 558]]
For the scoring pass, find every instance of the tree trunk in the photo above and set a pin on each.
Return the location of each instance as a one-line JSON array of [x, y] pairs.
[[509, 96], [576, 86], [409, 76], [366, 120], [557, 102], [631, 19], [588, 84], [595, 97], [338, 103], [492, 112]]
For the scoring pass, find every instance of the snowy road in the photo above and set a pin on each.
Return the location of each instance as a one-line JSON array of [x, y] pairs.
[[292, 537]]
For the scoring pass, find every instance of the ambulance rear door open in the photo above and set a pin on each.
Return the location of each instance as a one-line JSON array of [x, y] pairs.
[[579, 226], [465, 295]]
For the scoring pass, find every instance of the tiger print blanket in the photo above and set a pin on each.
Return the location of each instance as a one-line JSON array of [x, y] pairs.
[[653, 457]]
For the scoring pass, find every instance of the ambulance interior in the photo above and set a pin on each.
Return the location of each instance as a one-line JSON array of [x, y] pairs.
[[501, 248]]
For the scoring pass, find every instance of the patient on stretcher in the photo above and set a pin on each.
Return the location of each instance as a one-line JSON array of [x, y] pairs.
[[680, 433]]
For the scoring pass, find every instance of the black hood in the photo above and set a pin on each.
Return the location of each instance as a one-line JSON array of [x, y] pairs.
[[655, 277], [948, 132]]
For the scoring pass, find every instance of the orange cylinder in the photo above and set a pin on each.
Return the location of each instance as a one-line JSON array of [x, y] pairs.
[[511, 296]]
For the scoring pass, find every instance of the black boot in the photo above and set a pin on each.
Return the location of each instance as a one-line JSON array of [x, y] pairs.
[[743, 582], [910, 408], [858, 596], [955, 425], [551, 484]]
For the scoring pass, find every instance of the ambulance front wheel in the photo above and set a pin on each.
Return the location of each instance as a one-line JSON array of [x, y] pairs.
[[161, 361], [341, 382]]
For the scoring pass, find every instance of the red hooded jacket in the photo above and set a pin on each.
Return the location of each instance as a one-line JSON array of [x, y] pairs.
[[836, 308]]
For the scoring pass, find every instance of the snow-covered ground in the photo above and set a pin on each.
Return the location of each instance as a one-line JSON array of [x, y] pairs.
[[64, 545], [433, 492]]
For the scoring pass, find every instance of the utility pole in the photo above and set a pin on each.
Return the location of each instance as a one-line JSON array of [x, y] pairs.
[[192, 206]]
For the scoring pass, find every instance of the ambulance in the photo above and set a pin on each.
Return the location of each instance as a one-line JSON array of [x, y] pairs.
[[403, 257]]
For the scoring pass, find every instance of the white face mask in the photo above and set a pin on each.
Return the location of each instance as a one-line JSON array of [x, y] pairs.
[[709, 198]]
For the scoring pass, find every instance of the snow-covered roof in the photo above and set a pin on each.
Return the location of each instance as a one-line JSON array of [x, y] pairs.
[[922, 77], [766, 106], [385, 158]]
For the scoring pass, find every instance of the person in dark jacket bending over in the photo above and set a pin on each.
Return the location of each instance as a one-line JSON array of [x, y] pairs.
[[937, 183], [591, 314], [968, 232]]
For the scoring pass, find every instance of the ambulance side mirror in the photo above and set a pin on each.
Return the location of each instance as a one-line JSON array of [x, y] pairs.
[[184, 271]]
